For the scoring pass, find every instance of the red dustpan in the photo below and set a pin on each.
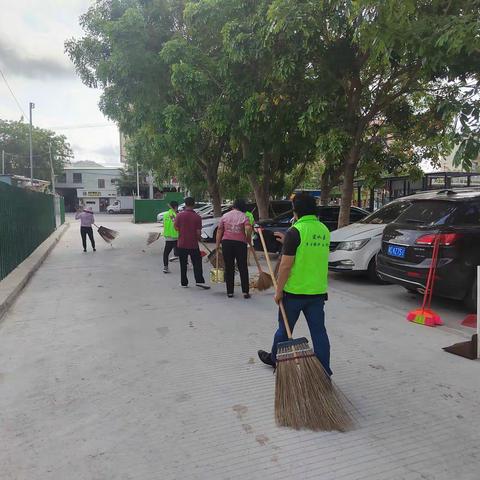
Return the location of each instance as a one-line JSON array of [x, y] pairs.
[[425, 315], [470, 321]]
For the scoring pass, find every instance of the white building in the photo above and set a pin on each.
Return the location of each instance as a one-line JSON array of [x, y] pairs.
[[88, 184]]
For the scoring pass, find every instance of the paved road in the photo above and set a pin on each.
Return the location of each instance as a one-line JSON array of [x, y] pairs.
[[108, 370], [451, 312]]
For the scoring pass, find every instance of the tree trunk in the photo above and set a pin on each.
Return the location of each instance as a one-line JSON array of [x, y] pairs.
[[325, 189], [347, 186], [262, 195], [214, 192]]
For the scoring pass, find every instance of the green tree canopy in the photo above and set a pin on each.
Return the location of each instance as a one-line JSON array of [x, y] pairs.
[[387, 78], [14, 141]]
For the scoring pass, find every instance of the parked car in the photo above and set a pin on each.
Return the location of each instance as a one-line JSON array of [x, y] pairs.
[[210, 223], [199, 208], [327, 214], [354, 248], [407, 244]]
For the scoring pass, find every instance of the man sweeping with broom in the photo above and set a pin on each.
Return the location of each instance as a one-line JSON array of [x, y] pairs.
[[305, 397], [302, 280], [170, 234]]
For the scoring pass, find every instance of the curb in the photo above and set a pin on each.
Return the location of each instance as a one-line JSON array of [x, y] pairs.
[[13, 284]]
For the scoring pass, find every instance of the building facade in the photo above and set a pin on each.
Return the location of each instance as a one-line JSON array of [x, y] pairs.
[[88, 184]]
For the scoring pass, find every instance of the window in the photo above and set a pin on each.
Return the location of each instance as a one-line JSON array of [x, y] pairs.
[[113, 181], [329, 214], [387, 214], [101, 183], [62, 178], [356, 215], [429, 212], [77, 178], [469, 214]]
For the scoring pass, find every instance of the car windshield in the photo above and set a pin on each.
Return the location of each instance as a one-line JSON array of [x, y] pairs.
[[284, 217], [387, 214], [428, 212]]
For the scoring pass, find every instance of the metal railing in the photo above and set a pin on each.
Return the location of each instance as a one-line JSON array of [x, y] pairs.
[[26, 219]]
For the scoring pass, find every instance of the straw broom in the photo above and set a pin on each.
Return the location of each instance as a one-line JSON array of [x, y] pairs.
[[106, 233], [305, 397], [153, 237], [264, 281], [215, 260]]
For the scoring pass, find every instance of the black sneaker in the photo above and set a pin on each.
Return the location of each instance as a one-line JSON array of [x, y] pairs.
[[266, 358], [203, 286], [166, 270]]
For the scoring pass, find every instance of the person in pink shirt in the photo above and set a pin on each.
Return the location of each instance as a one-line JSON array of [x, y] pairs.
[[234, 233], [86, 221]]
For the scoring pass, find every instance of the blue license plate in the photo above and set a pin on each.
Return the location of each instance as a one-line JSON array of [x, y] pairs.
[[396, 251]]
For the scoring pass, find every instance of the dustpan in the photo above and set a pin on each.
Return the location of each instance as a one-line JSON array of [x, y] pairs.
[[217, 275]]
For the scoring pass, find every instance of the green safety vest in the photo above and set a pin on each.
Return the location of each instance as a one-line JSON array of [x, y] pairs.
[[309, 274], [250, 217], [168, 224]]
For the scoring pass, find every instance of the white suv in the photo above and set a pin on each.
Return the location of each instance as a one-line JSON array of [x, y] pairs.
[[354, 248]]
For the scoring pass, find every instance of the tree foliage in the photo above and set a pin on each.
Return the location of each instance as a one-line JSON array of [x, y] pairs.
[[385, 77], [265, 90], [15, 142]]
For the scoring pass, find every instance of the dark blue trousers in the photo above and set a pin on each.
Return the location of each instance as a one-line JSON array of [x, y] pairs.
[[313, 309]]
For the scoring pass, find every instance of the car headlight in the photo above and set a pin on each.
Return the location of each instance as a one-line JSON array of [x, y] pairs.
[[353, 245]]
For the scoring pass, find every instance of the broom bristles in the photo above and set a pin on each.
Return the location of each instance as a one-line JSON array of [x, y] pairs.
[[212, 258], [305, 397], [264, 281], [107, 234], [153, 237]]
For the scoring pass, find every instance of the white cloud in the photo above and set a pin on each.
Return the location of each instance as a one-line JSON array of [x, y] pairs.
[[32, 36]]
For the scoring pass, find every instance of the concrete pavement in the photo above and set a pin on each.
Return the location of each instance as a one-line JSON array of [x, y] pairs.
[[109, 370]]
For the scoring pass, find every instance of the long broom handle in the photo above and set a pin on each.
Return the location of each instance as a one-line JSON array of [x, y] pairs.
[[274, 280], [205, 246], [431, 274], [256, 259], [435, 254]]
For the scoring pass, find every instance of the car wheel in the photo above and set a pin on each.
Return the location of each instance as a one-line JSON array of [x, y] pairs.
[[372, 272], [470, 300], [110, 212]]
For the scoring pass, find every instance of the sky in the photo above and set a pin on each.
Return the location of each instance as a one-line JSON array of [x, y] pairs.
[[32, 58]]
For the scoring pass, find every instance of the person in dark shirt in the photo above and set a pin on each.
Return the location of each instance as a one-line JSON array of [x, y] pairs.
[[303, 280], [189, 226]]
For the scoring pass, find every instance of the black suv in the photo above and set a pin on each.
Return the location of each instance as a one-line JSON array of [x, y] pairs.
[[326, 214], [407, 244]]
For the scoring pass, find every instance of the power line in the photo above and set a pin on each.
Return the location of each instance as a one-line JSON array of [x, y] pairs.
[[13, 95], [73, 127]]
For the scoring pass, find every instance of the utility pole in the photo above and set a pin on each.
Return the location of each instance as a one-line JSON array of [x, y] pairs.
[[3, 162], [31, 107], [138, 183], [150, 185], [51, 166]]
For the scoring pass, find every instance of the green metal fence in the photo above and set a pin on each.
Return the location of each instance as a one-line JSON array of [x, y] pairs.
[[62, 210], [146, 211], [26, 220]]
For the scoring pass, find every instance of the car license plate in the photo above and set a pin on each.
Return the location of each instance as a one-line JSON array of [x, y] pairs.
[[396, 251]]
